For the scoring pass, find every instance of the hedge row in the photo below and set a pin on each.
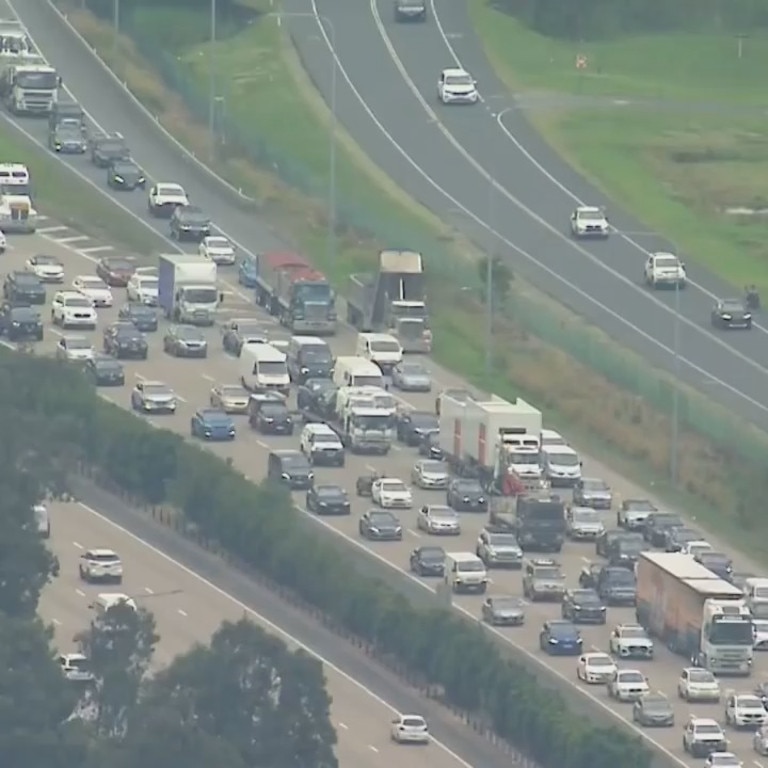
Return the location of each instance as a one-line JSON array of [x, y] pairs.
[[258, 525]]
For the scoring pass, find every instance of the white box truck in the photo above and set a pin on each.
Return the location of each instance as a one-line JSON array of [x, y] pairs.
[[186, 288]]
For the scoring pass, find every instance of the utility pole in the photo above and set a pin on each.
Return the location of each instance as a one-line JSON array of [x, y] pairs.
[[115, 29], [674, 442], [212, 84], [489, 284]]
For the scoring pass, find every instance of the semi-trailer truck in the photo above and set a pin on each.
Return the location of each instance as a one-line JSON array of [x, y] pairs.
[[186, 288], [694, 612], [292, 290]]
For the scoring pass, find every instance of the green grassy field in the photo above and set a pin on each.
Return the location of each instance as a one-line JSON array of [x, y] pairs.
[[679, 172]]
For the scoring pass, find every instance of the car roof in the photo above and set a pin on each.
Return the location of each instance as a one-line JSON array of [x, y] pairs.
[[100, 552], [152, 382], [590, 209], [455, 71]]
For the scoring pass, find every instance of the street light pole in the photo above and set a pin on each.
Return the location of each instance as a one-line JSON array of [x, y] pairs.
[[489, 286], [674, 446], [212, 84], [324, 23], [115, 29]]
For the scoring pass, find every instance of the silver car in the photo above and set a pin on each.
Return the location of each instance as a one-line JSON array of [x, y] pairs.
[[430, 474], [593, 492], [583, 524], [501, 610], [231, 398], [438, 520], [410, 376]]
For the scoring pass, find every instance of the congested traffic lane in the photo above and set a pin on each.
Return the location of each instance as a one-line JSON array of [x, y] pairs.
[[192, 380], [187, 611], [426, 159]]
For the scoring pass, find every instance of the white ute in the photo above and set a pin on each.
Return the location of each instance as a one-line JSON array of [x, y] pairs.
[[217, 249], [589, 221], [665, 270], [456, 86], [165, 197], [744, 710], [409, 729]]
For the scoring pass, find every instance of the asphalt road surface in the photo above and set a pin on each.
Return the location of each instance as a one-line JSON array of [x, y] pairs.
[[387, 77], [192, 380]]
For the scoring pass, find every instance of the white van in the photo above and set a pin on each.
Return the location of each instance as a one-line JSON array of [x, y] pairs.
[[357, 372], [561, 464], [106, 600], [42, 520], [380, 348], [756, 592], [465, 572], [264, 368]]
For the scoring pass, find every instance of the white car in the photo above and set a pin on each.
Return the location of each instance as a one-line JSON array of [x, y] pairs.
[[631, 641], [101, 565], [596, 668], [74, 349], [409, 729], [164, 197], [74, 667], [722, 760], [589, 221], [217, 249], [665, 270], [456, 86], [391, 493], [744, 710], [71, 309], [142, 288], [628, 685], [697, 684], [760, 627], [694, 548], [47, 269], [95, 289]]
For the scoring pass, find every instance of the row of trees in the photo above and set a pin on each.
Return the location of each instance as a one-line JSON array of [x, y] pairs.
[[243, 700], [600, 19], [258, 525]]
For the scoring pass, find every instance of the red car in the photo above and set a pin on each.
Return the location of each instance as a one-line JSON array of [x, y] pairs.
[[116, 271]]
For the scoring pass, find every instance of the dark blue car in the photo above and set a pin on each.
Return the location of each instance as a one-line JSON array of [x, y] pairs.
[[212, 424], [142, 316], [560, 638], [246, 271]]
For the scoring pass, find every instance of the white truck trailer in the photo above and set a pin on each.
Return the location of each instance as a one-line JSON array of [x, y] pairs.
[[186, 289], [492, 438], [695, 612]]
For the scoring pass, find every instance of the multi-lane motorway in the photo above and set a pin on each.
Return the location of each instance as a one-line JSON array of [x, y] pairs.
[[192, 381], [538, 222]]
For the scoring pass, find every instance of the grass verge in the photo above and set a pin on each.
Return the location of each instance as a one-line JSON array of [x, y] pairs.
[[88, 210], [694, 173], [603, 417]]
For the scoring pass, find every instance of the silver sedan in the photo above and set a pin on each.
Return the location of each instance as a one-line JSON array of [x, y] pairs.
[[439, 521], [410, 376], [430, 474]]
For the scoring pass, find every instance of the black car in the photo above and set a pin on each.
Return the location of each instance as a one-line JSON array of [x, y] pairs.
[[188, 222], [105, 371], [20, 322], [676, 538], [240, 332], [272, 417], [380, 525], [23, 288], [309, 396], [412, 426], [717, 562], [657, 523], [67, 139], [106, 149], [731, 313], [410, 10], [583, 606], [142, 316], [606, 539], [430, 446], [428, 561], [466, 495], [125, 340], [328, 500], [125, 174], [291, 468], [626, 549]]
